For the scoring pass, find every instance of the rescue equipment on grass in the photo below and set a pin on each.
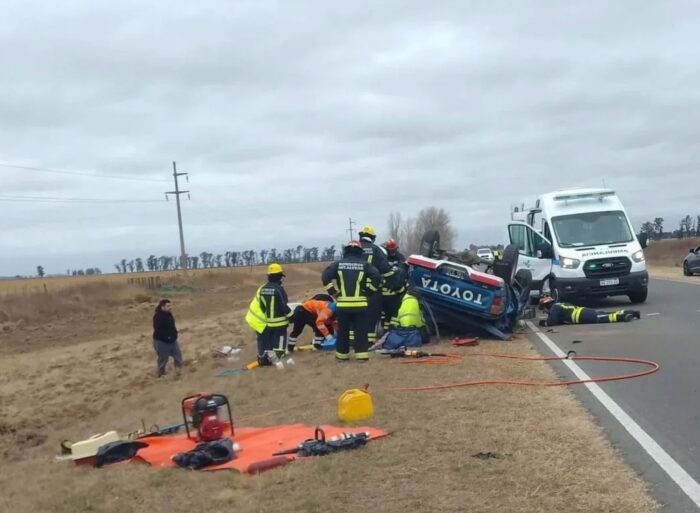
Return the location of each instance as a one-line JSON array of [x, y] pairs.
[[204, 416], [318, 446]]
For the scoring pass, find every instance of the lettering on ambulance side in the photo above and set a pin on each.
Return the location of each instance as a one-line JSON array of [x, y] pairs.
[[448, 290]]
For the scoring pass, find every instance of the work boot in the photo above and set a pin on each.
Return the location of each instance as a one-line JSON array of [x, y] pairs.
[[628, 317], [637, 314]]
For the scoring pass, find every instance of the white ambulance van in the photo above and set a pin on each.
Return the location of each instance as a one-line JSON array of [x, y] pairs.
[[580, 244]]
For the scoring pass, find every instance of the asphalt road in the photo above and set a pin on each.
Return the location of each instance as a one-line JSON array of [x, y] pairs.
[[666, 404]]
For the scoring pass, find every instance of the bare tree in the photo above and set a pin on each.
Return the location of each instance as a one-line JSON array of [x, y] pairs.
[[433, 218], [410, 240], [395, 225]]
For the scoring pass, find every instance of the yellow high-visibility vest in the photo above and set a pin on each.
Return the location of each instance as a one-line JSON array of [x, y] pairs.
[[255, 316], [410, 315]]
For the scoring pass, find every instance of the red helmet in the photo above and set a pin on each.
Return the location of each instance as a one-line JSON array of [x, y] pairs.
[[391, 245]]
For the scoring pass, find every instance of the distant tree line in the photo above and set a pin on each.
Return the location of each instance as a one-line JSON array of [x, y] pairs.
[[688, 226], [206, 260]]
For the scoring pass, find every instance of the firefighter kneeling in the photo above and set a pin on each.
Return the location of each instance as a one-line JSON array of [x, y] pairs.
[[319, 313], [563, 313], [353, 278], [409, 328]]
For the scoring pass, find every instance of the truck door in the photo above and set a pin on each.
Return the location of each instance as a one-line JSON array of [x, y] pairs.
[[536, 252]]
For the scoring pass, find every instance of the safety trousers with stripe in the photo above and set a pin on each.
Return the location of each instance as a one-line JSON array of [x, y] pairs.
[[390, 309], [582, 315], [272, 340], [354, 319]]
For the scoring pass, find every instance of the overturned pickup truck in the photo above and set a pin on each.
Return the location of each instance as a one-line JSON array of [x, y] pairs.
[[461, 300]]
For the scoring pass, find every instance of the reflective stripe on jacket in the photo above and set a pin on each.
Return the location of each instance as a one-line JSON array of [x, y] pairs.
[[353, 279], [273, 303]]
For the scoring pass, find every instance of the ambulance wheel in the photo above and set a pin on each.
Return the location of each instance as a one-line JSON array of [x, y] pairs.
[[505, 267], [639, 296], [430, 243]]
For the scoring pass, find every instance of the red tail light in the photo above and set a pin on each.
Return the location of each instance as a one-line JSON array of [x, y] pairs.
[[497, 306]]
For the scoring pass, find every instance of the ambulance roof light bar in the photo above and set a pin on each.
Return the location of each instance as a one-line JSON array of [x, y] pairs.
[[599, 195]]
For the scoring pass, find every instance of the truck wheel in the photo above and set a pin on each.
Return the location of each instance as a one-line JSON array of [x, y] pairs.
[[523, 279], [430, 244], [505, 268], [639, 296]]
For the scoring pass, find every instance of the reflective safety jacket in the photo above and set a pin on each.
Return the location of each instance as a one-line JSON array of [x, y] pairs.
[[324, 315], [255, 316], [396, 283], [410, 314], [372, 254], [269, 308], [354, 278]]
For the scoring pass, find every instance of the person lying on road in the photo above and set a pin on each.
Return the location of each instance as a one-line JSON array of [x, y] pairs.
[[564, 313]]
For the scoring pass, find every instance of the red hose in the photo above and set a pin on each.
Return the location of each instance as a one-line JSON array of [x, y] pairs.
[[452, 356], [653, 368]]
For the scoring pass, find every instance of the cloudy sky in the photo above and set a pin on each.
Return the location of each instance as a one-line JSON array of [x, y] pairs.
[[291, 116]]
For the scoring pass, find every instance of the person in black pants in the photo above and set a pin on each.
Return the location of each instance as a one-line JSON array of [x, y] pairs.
[[165, 337], [564, 313], [354, 279]]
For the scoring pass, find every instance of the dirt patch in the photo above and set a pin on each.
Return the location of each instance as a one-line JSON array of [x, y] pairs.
[[555, 457], [669, 253]]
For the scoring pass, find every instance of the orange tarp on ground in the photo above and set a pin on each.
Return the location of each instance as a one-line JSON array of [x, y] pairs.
[[257, 446]]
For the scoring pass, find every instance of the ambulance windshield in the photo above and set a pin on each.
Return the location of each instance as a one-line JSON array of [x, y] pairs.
[[592, 229]]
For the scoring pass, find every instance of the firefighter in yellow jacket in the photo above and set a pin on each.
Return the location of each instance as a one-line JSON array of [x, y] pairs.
[[269, 316], [408, 329]]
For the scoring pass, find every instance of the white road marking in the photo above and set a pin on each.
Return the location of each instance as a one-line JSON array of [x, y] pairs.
[[679, 476], [653, 314]]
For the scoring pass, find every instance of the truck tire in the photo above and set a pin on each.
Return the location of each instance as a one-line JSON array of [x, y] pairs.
[[430, 243], [505, 267], [523, 279], [639, 296]]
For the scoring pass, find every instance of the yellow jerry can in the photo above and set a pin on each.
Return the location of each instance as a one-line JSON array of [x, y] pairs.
[[354, 405]]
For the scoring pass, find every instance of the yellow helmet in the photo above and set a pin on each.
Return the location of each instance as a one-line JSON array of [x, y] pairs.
[[369, 231], [275, 269]]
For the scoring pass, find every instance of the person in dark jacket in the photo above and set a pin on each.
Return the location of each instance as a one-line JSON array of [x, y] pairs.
[[393, 290], [272, 300], [351, 280], [373, 255], [564, 313], [165, 337]]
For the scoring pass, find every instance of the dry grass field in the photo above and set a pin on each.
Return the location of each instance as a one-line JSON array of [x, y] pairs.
[[669, 253], [75, 372]]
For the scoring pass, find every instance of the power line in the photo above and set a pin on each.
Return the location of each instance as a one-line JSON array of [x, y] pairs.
[[47, 199], [79, 173]]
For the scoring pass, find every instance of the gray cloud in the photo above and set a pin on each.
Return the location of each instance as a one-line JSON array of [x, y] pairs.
[[293, 116]]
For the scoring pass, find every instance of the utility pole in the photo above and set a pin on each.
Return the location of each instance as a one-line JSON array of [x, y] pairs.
[[350, 231], [177, 192]]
